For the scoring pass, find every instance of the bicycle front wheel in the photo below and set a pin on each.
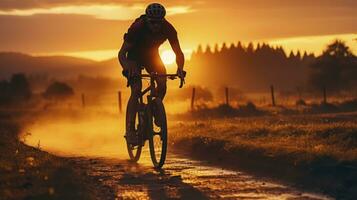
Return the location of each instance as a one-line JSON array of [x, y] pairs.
[[134, 151], [158, 133]]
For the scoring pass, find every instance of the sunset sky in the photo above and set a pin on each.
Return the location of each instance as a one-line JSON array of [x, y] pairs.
[[95, 28]]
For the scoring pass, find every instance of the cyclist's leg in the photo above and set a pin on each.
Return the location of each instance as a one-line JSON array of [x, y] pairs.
[[161, 86], [133, 103], [156, 65]]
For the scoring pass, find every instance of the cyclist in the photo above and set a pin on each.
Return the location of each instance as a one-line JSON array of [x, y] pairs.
[[140, 49]]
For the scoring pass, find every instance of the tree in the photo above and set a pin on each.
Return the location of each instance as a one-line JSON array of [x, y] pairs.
[[239, 45], [199, 50], [224, 47], [208, 49], [336, 68], [216, 48], [58, 91], [250, 48], [16, 90], [20, 87], [4, 92]]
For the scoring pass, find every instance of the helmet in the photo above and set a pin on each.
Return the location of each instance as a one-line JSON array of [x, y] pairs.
[[156, 11]]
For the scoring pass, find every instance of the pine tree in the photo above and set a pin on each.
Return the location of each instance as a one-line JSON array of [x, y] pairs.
[[224, 47], [208, 49], [216, 48], [199, 49]]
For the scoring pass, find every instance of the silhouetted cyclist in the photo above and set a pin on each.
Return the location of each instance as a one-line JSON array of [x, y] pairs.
[[141, 50]]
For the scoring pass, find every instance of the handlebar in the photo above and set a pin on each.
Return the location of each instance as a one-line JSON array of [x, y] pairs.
[[169, 76], [154, 75]]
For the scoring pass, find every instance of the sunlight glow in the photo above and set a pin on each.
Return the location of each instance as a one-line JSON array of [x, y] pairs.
[[179, 10], [168, 57], [314, 44], [101, 55], [110, 12]]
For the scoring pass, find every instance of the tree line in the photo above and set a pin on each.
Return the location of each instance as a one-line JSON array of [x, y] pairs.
[[255, 67]]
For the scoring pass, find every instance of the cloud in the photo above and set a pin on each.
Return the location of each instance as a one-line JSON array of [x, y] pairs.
[[66, 32], [78, 26], [35, 4], [101, 11], [8, 5]]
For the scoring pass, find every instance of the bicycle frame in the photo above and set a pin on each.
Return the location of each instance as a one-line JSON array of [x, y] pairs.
[[151, 88]]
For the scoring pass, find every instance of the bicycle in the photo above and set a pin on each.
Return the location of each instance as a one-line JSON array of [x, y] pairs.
[[145, 126]]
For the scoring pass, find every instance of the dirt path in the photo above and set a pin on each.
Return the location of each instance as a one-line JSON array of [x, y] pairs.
[[182, 178]]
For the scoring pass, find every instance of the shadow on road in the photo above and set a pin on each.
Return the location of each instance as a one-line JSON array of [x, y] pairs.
[[134, 181]]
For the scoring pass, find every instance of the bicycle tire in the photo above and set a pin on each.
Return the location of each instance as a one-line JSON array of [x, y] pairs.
[[134, 155], [156, 152]]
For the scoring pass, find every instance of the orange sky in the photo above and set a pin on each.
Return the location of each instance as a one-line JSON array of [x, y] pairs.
[[95, 28]]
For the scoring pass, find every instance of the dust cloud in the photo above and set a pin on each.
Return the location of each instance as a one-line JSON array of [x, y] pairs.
[[95, 134], [69, 128]]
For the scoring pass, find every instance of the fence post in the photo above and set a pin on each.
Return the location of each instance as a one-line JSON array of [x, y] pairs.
[[227, 96], [83, 101], [193, 99], [119, 102], [272, 95], [324, 93]]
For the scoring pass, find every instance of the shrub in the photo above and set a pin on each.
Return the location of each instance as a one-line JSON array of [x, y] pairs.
[[58, 90]]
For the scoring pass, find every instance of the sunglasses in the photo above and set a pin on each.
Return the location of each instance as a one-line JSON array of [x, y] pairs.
[[154, 21]]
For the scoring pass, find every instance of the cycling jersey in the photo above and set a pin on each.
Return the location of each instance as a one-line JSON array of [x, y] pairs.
[[145, 43]]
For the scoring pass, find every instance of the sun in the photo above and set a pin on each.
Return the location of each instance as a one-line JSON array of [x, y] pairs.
[[168, 57]]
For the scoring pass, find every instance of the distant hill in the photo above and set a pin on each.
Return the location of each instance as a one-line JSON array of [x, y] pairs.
[[55, 66], [110, 67]]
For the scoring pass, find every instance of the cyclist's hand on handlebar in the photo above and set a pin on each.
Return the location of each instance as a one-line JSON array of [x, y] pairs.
[[181, 74]]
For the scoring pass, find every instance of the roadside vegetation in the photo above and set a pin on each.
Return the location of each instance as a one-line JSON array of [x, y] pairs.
[[316, 151], [30, 173]]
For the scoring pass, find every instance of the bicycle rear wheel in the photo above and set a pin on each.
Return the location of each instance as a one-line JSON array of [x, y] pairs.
[[158, 133], [134, 151]]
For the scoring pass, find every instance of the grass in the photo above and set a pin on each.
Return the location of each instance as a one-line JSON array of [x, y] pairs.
[[319, 151], [313, 136], [250, 109]]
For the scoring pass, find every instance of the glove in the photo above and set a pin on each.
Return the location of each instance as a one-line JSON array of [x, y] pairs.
[[181, 73]]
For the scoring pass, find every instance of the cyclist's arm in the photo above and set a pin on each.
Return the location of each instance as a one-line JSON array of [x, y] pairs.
[[175, 45], [122, 55]]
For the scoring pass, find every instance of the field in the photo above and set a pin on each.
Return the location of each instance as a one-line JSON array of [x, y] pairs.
[[316, 151]]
